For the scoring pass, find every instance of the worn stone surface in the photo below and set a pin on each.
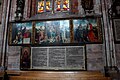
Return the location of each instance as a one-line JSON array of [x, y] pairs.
[[12, 11], [95, 58], [117, 50], [0, 41], [13, 55], [0, 13]]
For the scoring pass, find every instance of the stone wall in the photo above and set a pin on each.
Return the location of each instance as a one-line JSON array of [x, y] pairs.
[[117, 51], [0, 13], [0, 29], [0, 40], [13, 9], [95, 56], [95, 52], [13, 58]]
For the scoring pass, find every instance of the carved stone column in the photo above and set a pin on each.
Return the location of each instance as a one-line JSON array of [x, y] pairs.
[[5, 19], [108, 34]]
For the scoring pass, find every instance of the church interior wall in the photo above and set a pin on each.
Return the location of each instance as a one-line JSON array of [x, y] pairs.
[[96, 59]]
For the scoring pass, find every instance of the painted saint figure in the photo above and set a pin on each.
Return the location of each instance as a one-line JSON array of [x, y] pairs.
[[79, 34], [91, 34], [48, 5], [25, 59], [58, 5], [41, 6], [65, 5], [41, 34]]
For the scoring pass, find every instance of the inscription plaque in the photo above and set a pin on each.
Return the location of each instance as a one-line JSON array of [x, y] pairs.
[[75, 57], [58, 58], [39, 57]]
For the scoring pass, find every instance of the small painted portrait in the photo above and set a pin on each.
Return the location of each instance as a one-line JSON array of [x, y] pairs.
[[25, 58]]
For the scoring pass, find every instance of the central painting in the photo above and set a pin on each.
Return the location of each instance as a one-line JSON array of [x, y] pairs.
[[52, 32]]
